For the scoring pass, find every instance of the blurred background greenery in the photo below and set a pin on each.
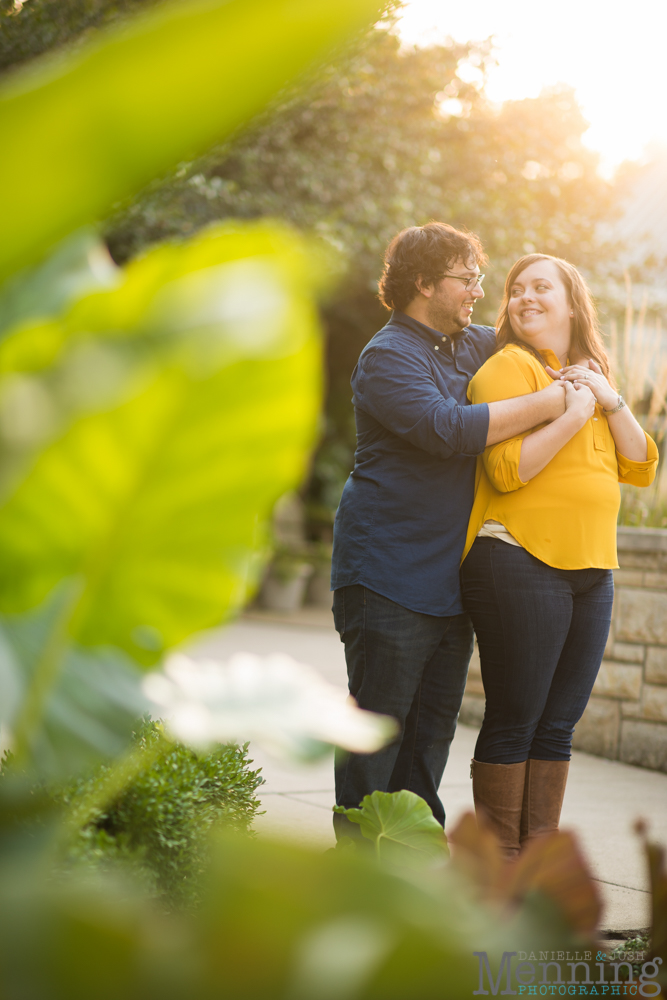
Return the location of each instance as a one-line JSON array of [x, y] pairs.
[[385, 136]]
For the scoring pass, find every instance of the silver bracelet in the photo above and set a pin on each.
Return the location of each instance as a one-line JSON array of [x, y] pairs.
[[619, 406]]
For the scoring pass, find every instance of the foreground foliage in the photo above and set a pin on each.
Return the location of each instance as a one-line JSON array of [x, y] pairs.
[[396, 821], [150, 415], [149, 418], [278, 921], [160, 823]]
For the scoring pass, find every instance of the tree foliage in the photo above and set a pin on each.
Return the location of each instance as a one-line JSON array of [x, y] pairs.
[[388, 138], [30, 27], [382, 139]]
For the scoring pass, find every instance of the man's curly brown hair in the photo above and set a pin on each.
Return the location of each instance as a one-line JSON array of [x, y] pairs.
[[427, 252]]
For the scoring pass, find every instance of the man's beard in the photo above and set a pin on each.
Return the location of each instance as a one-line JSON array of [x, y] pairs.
[[445, 318]]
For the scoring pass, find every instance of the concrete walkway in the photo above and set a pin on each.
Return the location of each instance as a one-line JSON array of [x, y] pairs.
[[602, 801]]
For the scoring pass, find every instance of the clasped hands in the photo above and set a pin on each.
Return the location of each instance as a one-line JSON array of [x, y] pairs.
[[585, 384]]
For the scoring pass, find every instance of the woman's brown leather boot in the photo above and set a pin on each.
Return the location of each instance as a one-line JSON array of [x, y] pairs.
[[498, 793], [544, 789]]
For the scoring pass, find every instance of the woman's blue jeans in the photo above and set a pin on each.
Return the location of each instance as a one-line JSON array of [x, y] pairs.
[[410, 666], [541, 633]]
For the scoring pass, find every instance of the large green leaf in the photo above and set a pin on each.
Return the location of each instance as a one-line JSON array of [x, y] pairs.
[[154, 499], [80, 264], [401, 826], [81, 132], [91, 708]]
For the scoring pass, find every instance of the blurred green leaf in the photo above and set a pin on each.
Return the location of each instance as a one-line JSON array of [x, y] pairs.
[[157, 504], [181, 404], [329, 927], [91, 712], [87, 130], [277, 922], [78, 939], [161, 295], [92, 708], [339, 925], [401, 826], [81, 264]]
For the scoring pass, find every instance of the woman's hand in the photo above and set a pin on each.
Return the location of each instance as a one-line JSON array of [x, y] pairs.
[[539, 447], [579, 402], [589, 375], [629, 437]]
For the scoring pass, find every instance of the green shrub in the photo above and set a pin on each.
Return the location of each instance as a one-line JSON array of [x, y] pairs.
[[159, 826]]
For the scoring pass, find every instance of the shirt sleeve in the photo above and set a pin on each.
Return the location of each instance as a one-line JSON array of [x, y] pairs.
[[503, 377], [398, 389], [639, 473]]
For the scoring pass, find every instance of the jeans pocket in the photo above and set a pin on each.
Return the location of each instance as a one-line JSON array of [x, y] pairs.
[[339, 612]]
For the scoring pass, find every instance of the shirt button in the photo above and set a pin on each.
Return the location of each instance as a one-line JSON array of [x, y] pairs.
[[443, 339], [594, 418], [437, 348]]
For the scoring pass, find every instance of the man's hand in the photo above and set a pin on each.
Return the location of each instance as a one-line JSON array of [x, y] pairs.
[[553, 398], [509, 417]]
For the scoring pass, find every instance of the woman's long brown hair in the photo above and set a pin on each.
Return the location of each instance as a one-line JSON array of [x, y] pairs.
[[586, 339]]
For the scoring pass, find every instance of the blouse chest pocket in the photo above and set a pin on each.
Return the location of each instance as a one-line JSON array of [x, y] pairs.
[[599, 429]]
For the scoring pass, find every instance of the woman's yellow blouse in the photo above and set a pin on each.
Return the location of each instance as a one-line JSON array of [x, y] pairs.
[[566, 515]]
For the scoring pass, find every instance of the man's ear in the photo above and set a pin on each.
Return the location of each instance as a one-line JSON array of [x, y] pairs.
[[423, 288]]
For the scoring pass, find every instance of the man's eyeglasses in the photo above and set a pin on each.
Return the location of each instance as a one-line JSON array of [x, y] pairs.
[[470, 283]]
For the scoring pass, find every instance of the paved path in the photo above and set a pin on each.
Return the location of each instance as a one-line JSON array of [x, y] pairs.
[[602, 801]]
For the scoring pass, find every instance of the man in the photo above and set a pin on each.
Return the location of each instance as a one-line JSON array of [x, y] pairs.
[[402, 520]]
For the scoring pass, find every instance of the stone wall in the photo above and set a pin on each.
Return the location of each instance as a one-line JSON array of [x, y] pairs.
[[626, 718]]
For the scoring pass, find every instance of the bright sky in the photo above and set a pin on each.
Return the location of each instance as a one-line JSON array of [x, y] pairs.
[[614, 53]]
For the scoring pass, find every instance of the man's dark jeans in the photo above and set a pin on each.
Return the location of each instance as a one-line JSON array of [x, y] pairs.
[[410, 666], [541, 634]]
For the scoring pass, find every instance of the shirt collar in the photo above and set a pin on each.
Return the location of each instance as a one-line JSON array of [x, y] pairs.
[[551, 358], [425, 332]]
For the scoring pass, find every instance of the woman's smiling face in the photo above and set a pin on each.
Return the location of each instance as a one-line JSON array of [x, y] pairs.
[[539, 308]]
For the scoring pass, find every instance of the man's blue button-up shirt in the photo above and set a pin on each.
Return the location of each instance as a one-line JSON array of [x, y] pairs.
[[401, 525]]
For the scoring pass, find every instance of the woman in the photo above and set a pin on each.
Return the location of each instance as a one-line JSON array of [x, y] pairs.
[[536, 574]]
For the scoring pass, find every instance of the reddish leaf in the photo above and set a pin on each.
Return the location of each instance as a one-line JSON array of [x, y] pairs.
[[552, 865]]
